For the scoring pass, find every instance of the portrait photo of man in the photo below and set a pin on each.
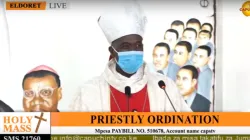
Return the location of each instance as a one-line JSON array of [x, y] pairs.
[[161, 54], [200, 61], [41, 90], [203, 37], [186, 81], [190, 35], [194, 24], [178, 26], [171, 37], [182, 53], [207, 26]]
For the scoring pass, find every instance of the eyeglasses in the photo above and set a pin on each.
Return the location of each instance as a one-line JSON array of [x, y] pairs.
[[44, 92]]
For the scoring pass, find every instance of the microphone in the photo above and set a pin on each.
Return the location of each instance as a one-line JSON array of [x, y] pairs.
[[162, 85], [128, 94]]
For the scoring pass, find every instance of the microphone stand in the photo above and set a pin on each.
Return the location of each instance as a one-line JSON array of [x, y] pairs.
[[128, 107], [162, 85], [128, 94]]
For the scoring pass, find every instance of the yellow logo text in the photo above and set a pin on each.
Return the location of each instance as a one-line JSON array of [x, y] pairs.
[[17, 123], [245, 9]]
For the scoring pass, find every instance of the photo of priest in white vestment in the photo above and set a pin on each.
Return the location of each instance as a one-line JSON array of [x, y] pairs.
[[126, 85]]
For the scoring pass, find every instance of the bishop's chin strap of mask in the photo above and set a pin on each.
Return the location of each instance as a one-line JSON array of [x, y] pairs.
[[129, 61], [114, 57]]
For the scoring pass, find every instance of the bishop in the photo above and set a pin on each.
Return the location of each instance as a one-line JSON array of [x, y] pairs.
[[124, 27]]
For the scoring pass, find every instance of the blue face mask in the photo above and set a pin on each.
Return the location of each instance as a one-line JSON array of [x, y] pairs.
[[130, 61]]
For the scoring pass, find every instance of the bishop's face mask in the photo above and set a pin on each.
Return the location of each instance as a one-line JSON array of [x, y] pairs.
[[129, 61]]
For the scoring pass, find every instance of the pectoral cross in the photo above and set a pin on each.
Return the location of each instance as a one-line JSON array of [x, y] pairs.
[[40, 119]]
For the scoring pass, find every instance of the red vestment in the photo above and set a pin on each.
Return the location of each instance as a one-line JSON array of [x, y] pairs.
[[137, 101]]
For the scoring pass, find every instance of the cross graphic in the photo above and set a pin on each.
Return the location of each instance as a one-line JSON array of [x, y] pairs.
[[40, 119]]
